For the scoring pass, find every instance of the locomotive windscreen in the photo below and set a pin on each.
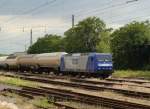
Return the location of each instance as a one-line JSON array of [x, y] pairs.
[[104, 58]]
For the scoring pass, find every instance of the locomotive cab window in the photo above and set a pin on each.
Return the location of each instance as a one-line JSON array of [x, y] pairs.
[[104, 59]]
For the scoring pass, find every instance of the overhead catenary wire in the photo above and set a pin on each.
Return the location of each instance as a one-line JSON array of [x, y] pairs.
[[33, 9], [130, 12], [90, 13], [77, 11], [44, 4], [102, 10], [76, 15], [3, 3], [131, 19], [29, 11]]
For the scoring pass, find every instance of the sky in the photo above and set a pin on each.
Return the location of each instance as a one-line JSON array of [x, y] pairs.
[[18, 17]]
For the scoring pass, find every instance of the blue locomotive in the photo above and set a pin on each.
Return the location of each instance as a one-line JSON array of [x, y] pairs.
[[98, 64]]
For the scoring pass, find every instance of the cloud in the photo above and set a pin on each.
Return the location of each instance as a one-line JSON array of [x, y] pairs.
[[57, 18], [115, 26], [14, 33]]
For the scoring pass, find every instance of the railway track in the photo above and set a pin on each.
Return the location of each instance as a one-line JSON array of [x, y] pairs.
[[128, 80], [80, 97], [30, 94], [87, 86], [109, 82], [138, 81]]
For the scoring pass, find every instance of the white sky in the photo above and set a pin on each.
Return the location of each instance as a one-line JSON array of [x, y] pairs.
[[54, 17]]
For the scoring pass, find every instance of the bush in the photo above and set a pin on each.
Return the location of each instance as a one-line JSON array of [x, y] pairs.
[[130, 46]]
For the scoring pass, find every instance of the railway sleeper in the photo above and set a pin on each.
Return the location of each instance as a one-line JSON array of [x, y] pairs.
[[97, 100]]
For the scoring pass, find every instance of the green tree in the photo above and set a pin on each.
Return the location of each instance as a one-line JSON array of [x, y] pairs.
[[85, 36], [49, 43], [129, 45], [104, 44]]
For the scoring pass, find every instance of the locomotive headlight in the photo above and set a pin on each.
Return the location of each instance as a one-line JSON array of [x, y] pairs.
[[105, 65]]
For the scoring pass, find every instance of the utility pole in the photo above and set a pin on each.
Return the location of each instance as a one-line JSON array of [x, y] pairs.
[[45, 29], [31, 37], [72, 21], [25, 47]]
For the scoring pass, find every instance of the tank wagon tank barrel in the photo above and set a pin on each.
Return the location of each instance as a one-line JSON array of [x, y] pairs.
[[49, 61], [26, 62]]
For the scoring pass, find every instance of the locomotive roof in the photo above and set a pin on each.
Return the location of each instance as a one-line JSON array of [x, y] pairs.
[[51, 54], [82, 54]]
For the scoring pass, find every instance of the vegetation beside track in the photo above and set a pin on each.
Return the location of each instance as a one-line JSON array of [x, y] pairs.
[[26, 103], [42, 102], [17, 81], [131, 74]]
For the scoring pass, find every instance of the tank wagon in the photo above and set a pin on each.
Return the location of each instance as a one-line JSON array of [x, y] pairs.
[[2, 60], [35, 62], [97, 64], [49, 61]]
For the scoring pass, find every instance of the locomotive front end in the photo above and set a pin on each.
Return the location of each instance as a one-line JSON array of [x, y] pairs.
[[104, 64]]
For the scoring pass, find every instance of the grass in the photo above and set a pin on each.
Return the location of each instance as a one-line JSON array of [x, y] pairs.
[[131, 74], [42, 102], [36, 103], [17, 81]]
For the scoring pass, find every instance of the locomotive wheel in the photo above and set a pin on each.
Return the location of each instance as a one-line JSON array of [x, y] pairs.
[[56, 72], [73, 74]]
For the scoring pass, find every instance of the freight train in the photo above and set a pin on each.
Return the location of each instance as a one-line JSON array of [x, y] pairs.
[[91, 64]]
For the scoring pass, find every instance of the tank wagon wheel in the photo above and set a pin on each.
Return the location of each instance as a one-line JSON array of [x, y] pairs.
[[20, 70], [80, 75], [87, 75], [6, 67], [83, 75], [56, 72], [73, 74], [40, 71], [34, 69], [45, 71]]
